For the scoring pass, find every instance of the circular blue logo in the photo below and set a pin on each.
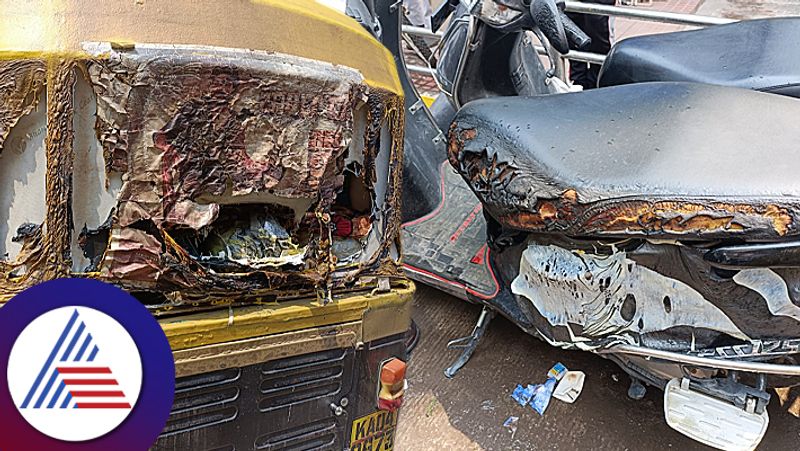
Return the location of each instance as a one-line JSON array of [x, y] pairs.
[[87, 367]]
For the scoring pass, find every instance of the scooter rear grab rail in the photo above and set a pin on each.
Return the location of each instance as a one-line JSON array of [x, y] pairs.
[[707, 362]]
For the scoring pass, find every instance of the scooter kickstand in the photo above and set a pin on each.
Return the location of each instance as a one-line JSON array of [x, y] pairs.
[[469, 343], [637, 390]]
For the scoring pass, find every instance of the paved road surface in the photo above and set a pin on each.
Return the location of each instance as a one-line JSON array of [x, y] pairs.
[[467, 412]]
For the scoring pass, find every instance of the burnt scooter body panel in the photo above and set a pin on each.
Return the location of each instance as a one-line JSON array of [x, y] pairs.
[[736, 316], [444, 241], [618, 284], [615, 223], [444, 236]]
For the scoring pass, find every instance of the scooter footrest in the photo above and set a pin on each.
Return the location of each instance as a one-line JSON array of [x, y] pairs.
[[711, 421]]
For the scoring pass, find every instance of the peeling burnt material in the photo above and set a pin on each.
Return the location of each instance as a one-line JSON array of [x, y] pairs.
[[30, 235], [94, 242], [678, 265], [26, 232], [21, 82], [59, 144], [204, 143], [45, 254], [190, 130], [511, 196], [388, 110], [610, 299], [689, 217], [263, 128], [112, 88], [229, 128]]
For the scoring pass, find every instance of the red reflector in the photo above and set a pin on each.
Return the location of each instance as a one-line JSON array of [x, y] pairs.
[[390, 404], [393, 384], [393, 372]]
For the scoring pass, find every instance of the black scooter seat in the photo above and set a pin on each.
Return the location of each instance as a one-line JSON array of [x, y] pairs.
[[763, 55], [670, 160]]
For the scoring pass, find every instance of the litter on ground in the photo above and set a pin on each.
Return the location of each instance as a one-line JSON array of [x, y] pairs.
[[538, 395], [511, 424], [570, 386]]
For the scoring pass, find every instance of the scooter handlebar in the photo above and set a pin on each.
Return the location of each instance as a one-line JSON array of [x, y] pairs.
[[547, 16], [576, 37], [559, 29]]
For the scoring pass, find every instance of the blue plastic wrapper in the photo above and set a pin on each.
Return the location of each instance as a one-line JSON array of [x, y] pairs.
[[523, 395], [542, 394]]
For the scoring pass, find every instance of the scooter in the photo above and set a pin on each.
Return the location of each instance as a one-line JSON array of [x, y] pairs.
[[653, 223]]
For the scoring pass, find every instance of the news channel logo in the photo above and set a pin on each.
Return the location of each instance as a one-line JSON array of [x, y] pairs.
[[87, 367]]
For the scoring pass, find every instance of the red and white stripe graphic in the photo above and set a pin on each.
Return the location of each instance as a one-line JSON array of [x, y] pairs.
[[93, 387]]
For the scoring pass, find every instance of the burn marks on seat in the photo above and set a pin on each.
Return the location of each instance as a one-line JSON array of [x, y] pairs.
[[526, 198], [689, 217]]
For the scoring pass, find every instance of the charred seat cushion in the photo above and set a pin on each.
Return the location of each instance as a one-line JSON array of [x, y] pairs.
[[673, 160], [757, 54]]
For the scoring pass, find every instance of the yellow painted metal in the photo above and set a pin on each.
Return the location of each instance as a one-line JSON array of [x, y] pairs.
[[428, 100], [238, 323], [251, 351], [297, 27]]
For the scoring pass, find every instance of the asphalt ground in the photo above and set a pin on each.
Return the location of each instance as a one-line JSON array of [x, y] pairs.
[[468, 411]]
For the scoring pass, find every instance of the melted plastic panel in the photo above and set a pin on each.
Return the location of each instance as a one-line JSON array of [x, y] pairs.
[[23, 165], [772, 287], [95, 188], [591, 294], [611, 298], [240, 161]]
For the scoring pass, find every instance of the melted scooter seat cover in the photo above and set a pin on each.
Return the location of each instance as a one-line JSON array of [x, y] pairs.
[[671, 160], [758, 54]]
